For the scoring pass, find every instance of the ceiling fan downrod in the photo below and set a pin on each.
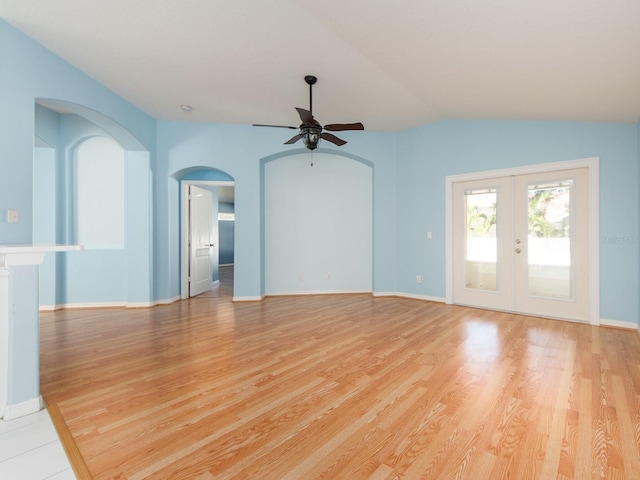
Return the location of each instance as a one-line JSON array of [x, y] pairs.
[[311, 81]]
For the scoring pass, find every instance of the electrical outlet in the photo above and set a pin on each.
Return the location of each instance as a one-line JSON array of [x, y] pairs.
[[12, 216], [328, 276], [418, 279], [429, 236]]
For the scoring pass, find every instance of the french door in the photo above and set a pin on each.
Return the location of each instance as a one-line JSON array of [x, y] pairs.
[[520, 243]]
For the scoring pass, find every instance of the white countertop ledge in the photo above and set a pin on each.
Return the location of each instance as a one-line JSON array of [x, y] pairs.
[[22, 254], [30, 248]]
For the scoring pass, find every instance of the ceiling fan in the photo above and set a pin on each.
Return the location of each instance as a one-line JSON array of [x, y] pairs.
[[310, 130]]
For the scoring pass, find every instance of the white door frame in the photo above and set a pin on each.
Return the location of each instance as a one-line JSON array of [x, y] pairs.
[[184, 228], [593, 166]]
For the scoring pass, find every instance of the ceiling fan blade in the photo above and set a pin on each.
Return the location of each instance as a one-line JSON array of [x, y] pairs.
[[274, 126], [333, 139], [305, 115], [293, 140], [341, 127]]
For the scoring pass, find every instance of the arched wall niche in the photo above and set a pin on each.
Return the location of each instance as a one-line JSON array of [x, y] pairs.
[[99, 277], [316, 222]]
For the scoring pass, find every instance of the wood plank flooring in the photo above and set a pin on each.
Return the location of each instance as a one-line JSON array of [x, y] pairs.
[[342, 387]]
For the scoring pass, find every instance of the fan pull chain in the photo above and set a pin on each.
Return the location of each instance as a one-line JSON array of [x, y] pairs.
[[312, 158]]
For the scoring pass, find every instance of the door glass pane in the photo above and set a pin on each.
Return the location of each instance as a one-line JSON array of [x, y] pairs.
[[549, 242], [481, 244]]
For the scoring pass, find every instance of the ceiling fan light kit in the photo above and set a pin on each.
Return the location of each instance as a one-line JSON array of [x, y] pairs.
[[310, 131], [311, 138]]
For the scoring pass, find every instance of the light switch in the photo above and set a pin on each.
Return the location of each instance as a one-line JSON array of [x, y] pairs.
[[12, 216]]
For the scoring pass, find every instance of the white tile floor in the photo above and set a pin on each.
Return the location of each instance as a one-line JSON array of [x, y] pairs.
[[31, 450]]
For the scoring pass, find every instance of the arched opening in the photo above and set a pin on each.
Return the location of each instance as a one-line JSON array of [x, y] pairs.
[[92, 185], [207, 207]]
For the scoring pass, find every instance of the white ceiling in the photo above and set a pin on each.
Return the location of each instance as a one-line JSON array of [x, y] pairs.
[[391, 65]]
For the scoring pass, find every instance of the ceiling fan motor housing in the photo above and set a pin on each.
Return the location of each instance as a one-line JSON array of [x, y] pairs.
[[311, 136]]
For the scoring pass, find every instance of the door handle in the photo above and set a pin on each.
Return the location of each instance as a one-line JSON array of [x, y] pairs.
[[210, 245], [518, 250]]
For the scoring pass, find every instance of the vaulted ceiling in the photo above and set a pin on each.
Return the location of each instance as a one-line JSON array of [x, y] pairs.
[[391, 65]]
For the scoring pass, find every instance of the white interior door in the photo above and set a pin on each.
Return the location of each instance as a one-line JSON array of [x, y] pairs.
[[200, 240], [520, 243]]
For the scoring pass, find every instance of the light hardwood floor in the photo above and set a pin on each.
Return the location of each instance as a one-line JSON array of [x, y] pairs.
[[342, 387]]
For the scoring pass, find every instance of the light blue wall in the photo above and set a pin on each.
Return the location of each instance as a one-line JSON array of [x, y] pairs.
[[104, 277], [44, 218], [426, 155], [24, 335], [238, 151], [317, 225], [29, 71], [139, 228], [210, 175], [408, 170]]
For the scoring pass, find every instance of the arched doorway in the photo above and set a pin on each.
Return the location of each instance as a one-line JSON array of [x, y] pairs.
[[207, 205]]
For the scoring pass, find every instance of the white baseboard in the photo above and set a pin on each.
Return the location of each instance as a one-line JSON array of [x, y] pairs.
[[139, 305], [375, 294], [17, 410], [605, 322], [410, 295], [315, 292], [70, 306], [50, 308], [248, 299], [422, 297], [167, 301]]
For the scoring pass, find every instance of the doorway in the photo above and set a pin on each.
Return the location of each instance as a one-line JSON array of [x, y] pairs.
[[522, 241], [202, 204]]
